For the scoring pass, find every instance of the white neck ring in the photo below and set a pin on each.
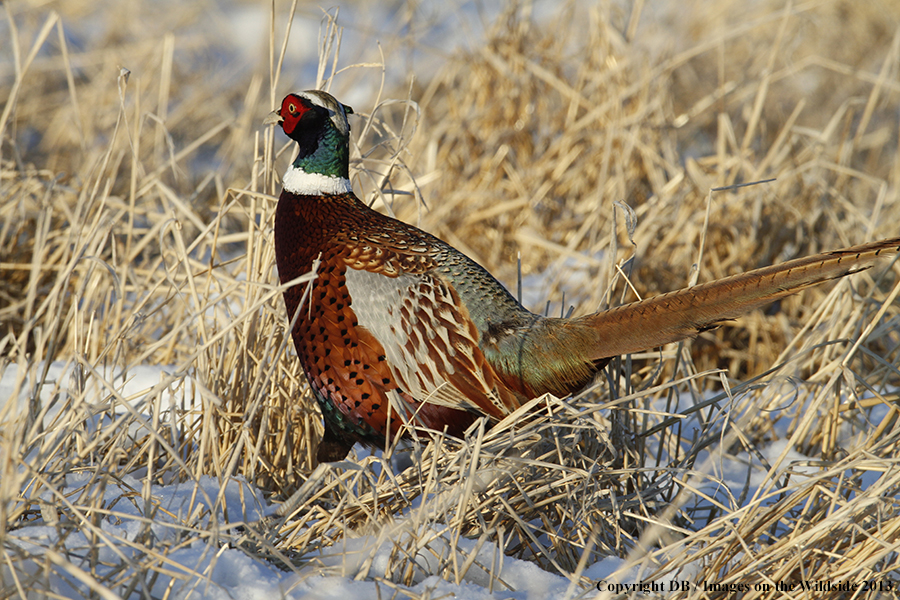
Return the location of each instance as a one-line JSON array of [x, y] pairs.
[[297, 181]]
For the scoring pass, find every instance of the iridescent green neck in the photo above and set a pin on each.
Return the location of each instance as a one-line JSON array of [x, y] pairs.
[[324, 171], [331, 157]]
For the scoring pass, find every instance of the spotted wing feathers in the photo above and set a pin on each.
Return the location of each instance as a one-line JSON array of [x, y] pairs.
[[430, 342]]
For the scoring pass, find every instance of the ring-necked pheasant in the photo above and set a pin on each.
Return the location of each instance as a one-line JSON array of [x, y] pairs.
[[399, 327]]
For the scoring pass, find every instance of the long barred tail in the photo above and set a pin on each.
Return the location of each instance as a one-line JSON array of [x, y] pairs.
[[685, 313]]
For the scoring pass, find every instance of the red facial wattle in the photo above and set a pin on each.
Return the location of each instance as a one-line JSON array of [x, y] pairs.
[[292, 110]]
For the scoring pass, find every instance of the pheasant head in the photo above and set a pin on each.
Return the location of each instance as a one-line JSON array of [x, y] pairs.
[[319, 125]]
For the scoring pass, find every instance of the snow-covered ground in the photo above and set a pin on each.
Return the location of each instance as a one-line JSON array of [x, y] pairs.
[[206, 564], [204, 567]]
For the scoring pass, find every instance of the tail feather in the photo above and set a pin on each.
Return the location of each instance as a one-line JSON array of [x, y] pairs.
[[685, 313], [561, 356]]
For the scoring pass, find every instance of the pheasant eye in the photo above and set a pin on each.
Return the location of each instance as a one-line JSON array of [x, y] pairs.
[[292, 109]]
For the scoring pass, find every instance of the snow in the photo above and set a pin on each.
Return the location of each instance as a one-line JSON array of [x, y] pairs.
[[207, 565]]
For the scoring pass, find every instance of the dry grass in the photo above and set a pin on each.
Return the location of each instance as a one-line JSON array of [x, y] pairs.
[[135, 228]]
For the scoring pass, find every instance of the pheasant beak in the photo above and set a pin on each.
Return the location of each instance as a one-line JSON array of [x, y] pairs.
[[273, 118]]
